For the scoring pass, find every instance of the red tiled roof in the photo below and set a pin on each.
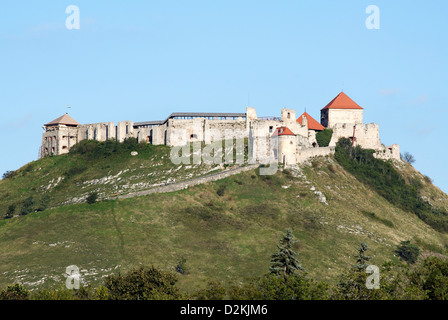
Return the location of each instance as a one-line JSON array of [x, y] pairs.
[[312, 124], [342, 101], [65, 119], [283, 131]]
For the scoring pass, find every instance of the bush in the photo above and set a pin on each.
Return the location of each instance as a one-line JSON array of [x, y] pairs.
[[181, 266], [432, 277], [9, 174], [92, 149], [27, 206], [143, 284], [15, 292], [272, 287], [92, 198], [323, 138], [77, 169], [221, 190], [10, 211], [408, 252]]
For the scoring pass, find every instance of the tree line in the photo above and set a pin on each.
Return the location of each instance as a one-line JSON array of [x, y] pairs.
[[286, 279]]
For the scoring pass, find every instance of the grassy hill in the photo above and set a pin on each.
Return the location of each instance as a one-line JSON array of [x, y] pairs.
[[224, 236]]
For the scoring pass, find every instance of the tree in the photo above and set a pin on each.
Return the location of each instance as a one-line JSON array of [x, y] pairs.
[[285, 261], [352, 285], [409, 158], [432, 276], [361, 258]]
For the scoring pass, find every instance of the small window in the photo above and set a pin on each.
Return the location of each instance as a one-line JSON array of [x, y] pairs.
[[193, 136], [271, 128], [289, 115]]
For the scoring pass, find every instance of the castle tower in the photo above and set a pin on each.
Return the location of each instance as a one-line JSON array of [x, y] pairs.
[[341, 109], [59, 135], [287, 144]]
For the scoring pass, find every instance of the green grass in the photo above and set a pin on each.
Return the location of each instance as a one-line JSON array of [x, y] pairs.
[[228, 237]]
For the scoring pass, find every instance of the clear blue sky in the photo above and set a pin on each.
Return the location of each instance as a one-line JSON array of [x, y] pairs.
[[141, 60]]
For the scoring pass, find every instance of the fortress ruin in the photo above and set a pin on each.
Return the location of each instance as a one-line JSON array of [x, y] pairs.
[[296, 135]]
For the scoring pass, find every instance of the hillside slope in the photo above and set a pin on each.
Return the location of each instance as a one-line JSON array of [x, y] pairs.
[[227, 235]]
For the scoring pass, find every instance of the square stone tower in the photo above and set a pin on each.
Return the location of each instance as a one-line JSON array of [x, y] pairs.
[[59, 135], [341, 109]]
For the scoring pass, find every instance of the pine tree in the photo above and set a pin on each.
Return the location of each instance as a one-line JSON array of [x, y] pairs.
[[285, 261], [361, 258], [352, 285]]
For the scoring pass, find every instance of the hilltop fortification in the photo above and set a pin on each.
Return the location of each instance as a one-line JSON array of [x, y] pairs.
[[295, 137]]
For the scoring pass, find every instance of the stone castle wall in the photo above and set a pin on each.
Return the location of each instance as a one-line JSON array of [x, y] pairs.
[[292, 149]]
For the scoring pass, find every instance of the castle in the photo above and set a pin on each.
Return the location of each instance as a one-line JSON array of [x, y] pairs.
[[296, 135]]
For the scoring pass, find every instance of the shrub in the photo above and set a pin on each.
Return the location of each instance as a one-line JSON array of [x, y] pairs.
[[272, 287], [92, 198], [432, 276], [181, 266], [77, 169], [428, 179], [143, 284], [92, 149], [323, 138], [27, 206], [408, 252], [15, 292], [10, 211], [9, 174], [221, 190]]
